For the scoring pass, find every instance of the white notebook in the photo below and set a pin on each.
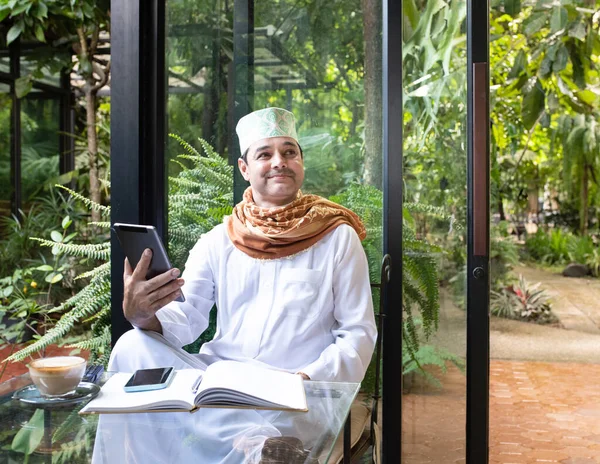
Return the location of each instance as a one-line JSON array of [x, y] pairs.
[[225, 384]]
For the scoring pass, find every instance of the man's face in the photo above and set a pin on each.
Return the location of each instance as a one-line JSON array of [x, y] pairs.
[[275, 170]]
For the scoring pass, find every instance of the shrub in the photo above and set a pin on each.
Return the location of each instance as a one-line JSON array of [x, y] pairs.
[[549, 248], [523, 301], [198, 199]]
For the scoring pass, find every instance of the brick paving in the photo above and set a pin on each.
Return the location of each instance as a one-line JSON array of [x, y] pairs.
[[540, 412]]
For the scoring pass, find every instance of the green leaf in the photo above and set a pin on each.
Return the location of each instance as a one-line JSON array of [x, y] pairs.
[[30, 436], [587, 96], [6, 292], [39, 33], [4, 12], [559, 19], [53, 277], [561, 60], [546, 67], [42, 10], [56, 236], [88, 10], [85, 66], [44, 267], [533, 105], [518, 66], [23, 86], [19, 9], [14, 32], [69, 237], [66, 222], [512, 7], [55, 250], [577, 30], [535, 22]]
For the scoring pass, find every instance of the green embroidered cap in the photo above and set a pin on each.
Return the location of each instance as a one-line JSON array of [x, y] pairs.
[[262, 124]]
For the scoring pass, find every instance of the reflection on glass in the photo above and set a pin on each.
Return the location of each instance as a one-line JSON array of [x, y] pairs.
[[5, 64], [46, 60], [433, 408], [5, 112], [309, 58], [40, 142]]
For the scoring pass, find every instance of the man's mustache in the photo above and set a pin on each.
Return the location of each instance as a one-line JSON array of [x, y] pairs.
[[281, 172]]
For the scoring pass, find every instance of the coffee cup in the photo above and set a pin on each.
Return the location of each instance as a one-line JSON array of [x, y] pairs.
[[58, 375]]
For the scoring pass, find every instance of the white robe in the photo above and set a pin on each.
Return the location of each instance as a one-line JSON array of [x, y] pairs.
[[309, 313]]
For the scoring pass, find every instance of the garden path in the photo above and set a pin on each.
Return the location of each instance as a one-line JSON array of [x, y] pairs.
[[575, 301]]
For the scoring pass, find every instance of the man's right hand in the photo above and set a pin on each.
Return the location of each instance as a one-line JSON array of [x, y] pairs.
[[143, 298]]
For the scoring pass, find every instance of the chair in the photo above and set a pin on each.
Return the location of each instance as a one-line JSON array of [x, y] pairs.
[[357, 437]]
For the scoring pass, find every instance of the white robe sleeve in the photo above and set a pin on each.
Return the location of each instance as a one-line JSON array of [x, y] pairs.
[[183, 323], [355, 333]]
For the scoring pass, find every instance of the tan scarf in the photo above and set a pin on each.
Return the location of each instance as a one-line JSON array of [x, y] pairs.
[[272, 233]]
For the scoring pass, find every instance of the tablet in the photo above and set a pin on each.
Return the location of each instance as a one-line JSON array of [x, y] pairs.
[[134, 239]]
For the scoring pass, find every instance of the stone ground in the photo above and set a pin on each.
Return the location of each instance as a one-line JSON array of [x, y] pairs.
[[544, 385]]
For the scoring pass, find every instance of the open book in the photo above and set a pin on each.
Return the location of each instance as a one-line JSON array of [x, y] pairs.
[[225, 384]]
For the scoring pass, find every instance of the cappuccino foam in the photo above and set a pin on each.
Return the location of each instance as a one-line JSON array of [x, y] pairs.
[[58, 375]]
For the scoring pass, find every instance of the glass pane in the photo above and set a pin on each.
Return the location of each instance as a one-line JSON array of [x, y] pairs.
[[313, 58], [5, 112], [433, 407], [40, 143], [5, 63], [50, 61]]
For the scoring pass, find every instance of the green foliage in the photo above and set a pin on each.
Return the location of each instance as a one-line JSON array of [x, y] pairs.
[[524, 302], [550, 248], [30, 436], [504, 255], [544, 106], [199, 196], [419, 279]]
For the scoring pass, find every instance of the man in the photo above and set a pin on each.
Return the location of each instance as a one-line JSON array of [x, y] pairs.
[[287, 273]]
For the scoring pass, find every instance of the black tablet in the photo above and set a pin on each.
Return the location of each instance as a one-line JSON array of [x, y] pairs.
[[134, 239]]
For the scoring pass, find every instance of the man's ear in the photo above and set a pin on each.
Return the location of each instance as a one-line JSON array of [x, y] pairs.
[[243, 167]]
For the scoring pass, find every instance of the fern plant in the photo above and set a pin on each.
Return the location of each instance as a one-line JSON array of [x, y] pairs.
[[420, 289], [199, 196]]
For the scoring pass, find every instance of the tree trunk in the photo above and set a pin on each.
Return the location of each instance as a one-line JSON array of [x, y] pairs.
[[583, 226], [501, 207], [92, 141], [371, 10]]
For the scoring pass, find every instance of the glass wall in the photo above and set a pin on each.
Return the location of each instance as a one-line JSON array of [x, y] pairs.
[[313, 58], [40, 116], [42, 111], [435, 250], [308, 58]]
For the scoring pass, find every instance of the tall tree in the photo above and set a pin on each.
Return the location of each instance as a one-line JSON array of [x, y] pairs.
[[372, 27]]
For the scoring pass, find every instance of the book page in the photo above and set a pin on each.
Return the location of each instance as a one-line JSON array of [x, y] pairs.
[[276, 388], [113, 398]]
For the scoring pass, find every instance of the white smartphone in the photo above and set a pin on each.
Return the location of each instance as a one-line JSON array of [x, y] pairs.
[[134, 239], [150, 379]]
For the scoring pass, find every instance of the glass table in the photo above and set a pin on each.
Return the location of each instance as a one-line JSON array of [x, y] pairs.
[[60, 435]]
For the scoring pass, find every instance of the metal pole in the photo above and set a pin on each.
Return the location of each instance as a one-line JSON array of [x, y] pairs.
[[478, 246], [392, 229]]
